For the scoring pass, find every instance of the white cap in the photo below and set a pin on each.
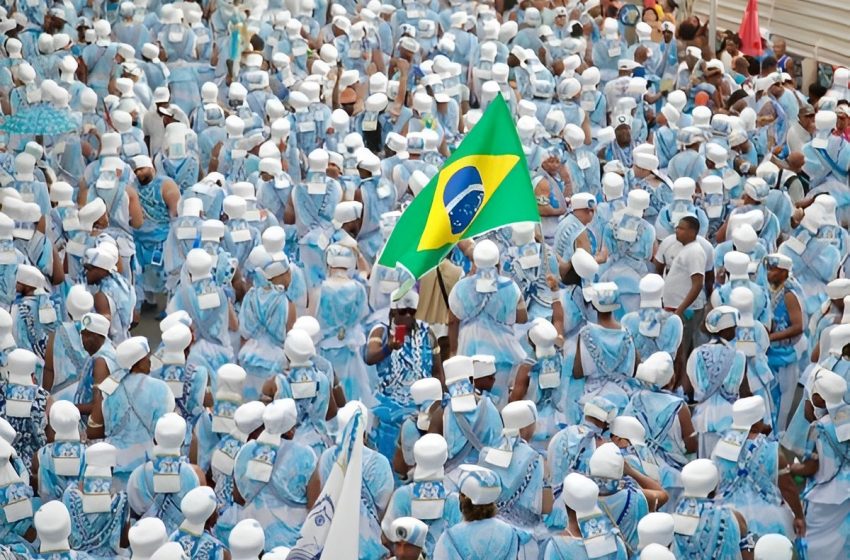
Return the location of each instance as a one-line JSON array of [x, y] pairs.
[[21, 363], [838, 288], [169, 433], [684, 188], [483, 365], [581, 201], [612, 185], [298, 346], [177, 317], [646, 160], [830, 386], [146, 536], [736, 265], [581, 495], [543, 335], [29, 275], [481, 485], [655, 527], [746, 412], [518, 415], [309, 325], [199, 264], [699, 478], [426, 390], [409, 530], [131, 351], [485, 254], [280, 416], [741, 299], [629, 428], [347, 211], [175, 340], [458, 368], [651, 287], [96, 323], [605, 296], [65, 421], [655, 551], [197, 506], [773, 546], [584, 264], [249, 417], [607, 462], [600, 409], [430, 453], [657, 369], [720, 318], [53, 524], [247, 540]]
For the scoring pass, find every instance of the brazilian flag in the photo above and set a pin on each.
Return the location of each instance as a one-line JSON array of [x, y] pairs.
[[484, 185]]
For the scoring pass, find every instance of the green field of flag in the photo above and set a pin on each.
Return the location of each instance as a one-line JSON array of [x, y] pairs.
[[484, 185]]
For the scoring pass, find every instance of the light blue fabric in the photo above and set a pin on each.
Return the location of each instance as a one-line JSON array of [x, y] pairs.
[[717, 531], [654, 330], [280, 505], [375, 492], [263, 319], [608, 360], [51, 486], [129, 419], [485, 424], [97, 534], [145, 502], [750, 487], [487, 539], [190, 381], [402, 505], [200, 547]]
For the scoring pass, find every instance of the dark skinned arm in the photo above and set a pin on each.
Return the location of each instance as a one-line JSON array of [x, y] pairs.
[[795, 314], [791, 496], [521, 383], [578, 370], [689, 435], [95, 429]]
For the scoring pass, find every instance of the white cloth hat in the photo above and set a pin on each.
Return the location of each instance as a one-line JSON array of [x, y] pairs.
[[744, 238], [605, 296], [746, 412], [600, 409], [736, 265], [430, 453], [778, 260], [774, 546], [409, 530], [199, 263], [169, 433], [247, 540], [657, 369], [426, 390], [517, 415], [249, 417], [197, 506], [347, 211], [581, 201], [21, 363], [53, 524], [483, 365], [485, 254], [651, 287], [481, 485], [721, 318], [175, 318], [584, 264], [146, 536], [830, 386], [607, 462], [699, 478], [280, 416], [175, 340], [96, 323], [656, 551], [65, 421], [655, 527], [298, 346], [646, 160], [629, 428], [458, 368], [30, 276], [131, 351], [581, 495], [838, 288]]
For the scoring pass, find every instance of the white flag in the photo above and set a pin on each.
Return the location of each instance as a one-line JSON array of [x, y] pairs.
[[332, 528]]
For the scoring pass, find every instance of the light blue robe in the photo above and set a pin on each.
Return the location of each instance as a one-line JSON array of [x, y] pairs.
[[130, 415], [199, 547], [608, 360], [145, 502], [654, 330], [51, 485], [630, 241], [188, 383], [487, 321], [717, 531], [485, 424], [313, 214], [627, 505], [341, 312], [750, 486], [375, 491], [487, 539], [406, 501], [814, 267], [716, 370], [212, 346], [280, 505], [312, 427], [263, 319], [97, 534]]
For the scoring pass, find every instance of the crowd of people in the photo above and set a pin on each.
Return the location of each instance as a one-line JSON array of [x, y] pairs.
[[656, 370]]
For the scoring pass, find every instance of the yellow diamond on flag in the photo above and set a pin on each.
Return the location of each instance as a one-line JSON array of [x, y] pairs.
[[463, 188]]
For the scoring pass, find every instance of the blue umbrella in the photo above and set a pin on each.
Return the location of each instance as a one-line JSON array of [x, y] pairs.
[[42, 119]]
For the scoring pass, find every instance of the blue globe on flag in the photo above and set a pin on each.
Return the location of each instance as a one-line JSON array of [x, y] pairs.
[[462, 197]]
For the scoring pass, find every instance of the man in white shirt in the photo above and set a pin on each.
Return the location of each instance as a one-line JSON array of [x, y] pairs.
[[800, 131], [683, 261]]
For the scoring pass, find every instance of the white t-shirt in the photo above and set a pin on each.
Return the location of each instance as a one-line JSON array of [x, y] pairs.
[[681, 263]]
